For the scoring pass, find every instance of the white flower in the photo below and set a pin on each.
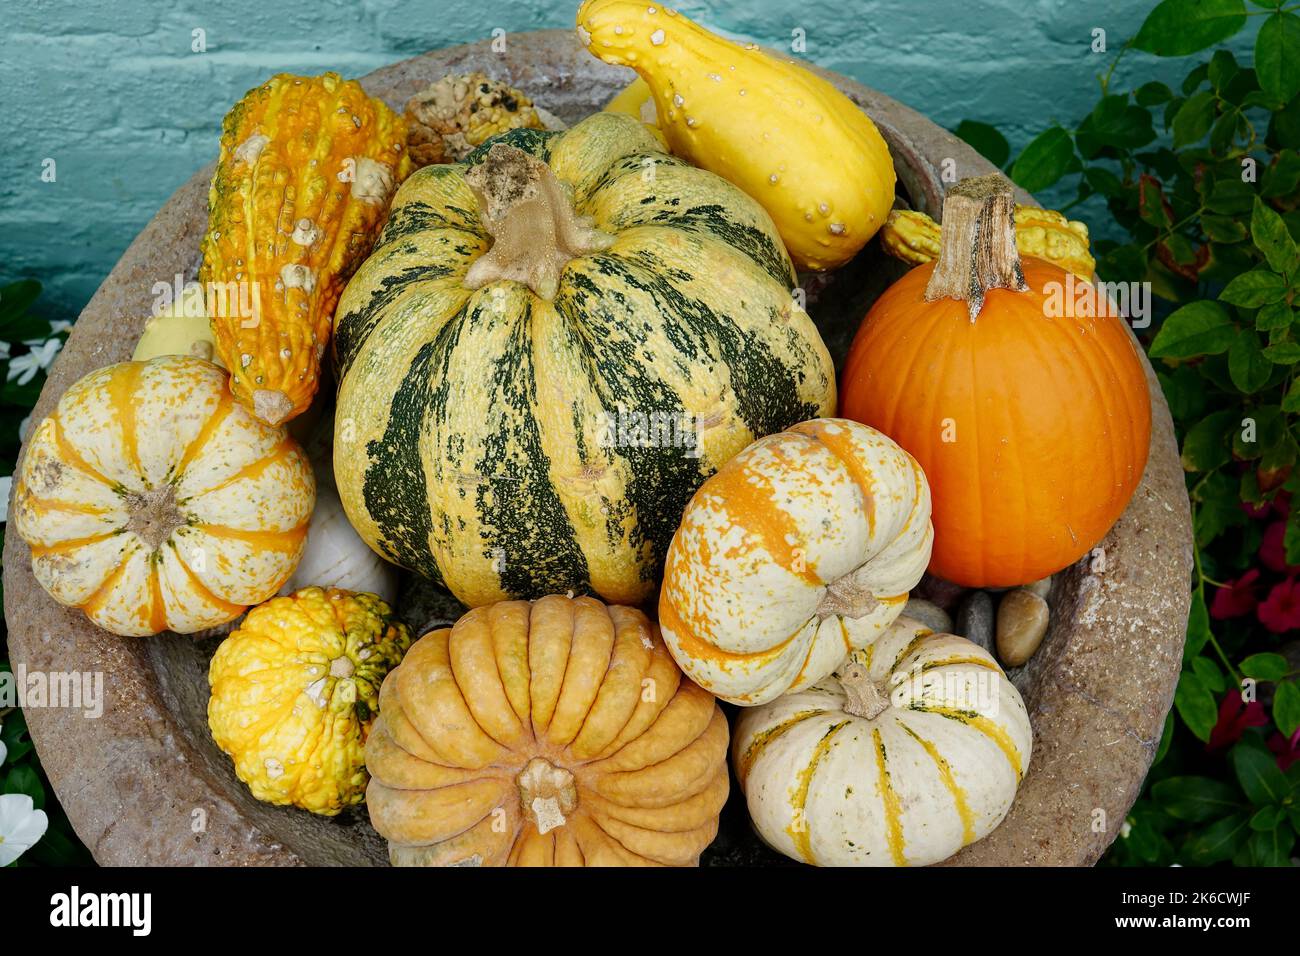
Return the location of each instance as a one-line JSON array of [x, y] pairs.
[[4, 350], [4, 751], [59, 326], [21, 825], [6, 483], [25, 367]]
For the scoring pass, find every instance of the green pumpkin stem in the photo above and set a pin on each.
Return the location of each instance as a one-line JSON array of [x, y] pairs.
[[977, 244], [530, 216]]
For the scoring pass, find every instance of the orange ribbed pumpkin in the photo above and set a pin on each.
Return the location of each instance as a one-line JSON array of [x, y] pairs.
[[1016, 387]]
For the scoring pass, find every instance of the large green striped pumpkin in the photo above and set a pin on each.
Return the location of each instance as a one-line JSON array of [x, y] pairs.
[[491, 438]]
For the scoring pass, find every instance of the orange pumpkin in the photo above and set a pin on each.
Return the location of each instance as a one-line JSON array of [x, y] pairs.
[[1017, 388]]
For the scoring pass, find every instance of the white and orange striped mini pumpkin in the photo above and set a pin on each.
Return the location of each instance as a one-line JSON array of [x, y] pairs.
[[799, 550], [152, 501], [912, 750]]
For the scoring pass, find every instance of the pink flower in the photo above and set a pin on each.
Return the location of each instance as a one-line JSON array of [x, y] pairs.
[[1235, 715], [1272, 550], [1288, 751], [1280, 611], [1237, 598]]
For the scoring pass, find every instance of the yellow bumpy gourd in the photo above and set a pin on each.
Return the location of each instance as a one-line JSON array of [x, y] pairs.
[[295, 691], [804, 150], [307, 168]]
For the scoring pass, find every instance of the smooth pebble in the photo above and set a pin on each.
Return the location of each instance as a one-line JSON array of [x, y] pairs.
[[975, 619], [1022, 622], [928, 613]]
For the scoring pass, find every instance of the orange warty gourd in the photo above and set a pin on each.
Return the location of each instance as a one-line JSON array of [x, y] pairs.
[[1018, 389], [308, 165]]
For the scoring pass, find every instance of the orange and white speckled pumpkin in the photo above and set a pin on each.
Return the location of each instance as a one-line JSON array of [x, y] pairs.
[[799, 550], [152, 501]]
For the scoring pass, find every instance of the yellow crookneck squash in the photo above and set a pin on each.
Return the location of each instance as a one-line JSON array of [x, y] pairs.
[[551, 347], [786, 136], [800, 549], [306, 171], [153, 502], [295, 691], [557, 733], [912, 750]]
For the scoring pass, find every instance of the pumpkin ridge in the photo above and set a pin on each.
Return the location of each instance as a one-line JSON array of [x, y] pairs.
[[892, 804], [760, 741], [253, 469], [798, 828], [70, 544], [73, 457], [101, 593], [213, 423], [982, 724], [272, 540], [204, 591], [949, 781], [122, 397]]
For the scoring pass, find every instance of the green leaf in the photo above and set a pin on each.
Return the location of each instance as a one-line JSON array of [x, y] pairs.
[[1267, 818], [1223, 228], [1275, 315], [1117, 122], [1205, 446], [1231, 197], [1195, 799], [1258, 775], [1198, 627], [1247, 364], [1151, 202], [1219, 841], [1286, 707], [1210, 675], [23, 778], [1259, 428], [1252, 289], [15, 299], [1153, 94], [1277, 56], [1291, 537], [1283, 353], [1283, 176], [1166, 738], [1048, 157], [1185, 392], [1272, 847], [1266, 666], [986, 139], [1195, 78], [1198, 328], [1180, 27], [1194, 118], [1223, 68], [1271, 237], [1196, 705]]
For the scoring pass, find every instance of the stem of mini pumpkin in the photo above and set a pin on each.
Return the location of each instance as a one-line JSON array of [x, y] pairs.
[[862, 698], [977, 244], [530, 216]]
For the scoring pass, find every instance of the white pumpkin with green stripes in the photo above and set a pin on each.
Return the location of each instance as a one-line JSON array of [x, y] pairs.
[[911, 751], [551, 347]]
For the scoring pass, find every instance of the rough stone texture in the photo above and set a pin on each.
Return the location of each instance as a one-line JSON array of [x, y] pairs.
[[145, 784], [116, 95]]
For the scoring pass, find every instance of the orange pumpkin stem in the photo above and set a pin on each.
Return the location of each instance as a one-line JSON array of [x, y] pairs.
[[862, 698], [977, 245], [530, 216]]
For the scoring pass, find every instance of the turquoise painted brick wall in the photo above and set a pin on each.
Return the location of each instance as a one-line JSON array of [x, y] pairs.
[[111, 91]]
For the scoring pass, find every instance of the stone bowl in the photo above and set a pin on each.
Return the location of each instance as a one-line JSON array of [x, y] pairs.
[[144, 785]]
